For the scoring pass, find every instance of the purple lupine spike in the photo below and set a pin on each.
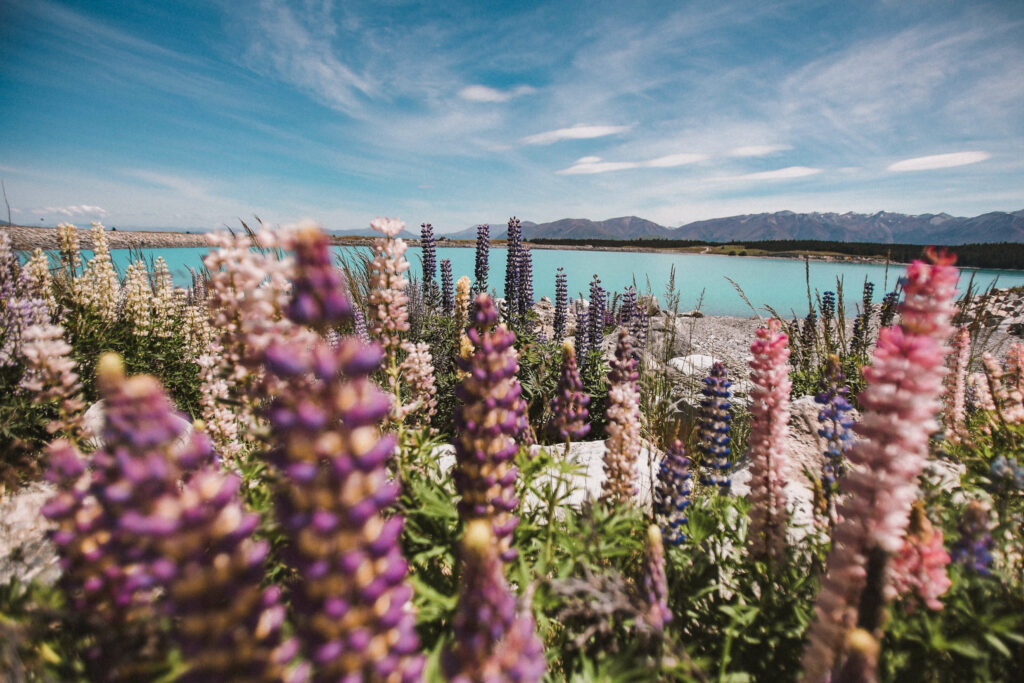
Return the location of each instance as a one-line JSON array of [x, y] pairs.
[[596, 314], [16, 316], [974, 547], [512, 273], [627, 308], [622, 447], [672, 493], [352, 601], [561, 304], [713, 425], [569, 407], [429, 246], [654, 581], [491, 415], [494, 641], [318, 288], [447, 288], [582, 337], [836, 428], [482, 264]]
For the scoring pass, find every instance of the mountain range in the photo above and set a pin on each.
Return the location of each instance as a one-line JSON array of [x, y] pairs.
[[884, 227]]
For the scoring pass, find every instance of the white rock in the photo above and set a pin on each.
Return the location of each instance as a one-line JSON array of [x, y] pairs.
[[92, 426], [25, 551], [694, 364]]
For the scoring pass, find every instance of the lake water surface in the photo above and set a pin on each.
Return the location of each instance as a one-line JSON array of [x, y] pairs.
[[775, 282]]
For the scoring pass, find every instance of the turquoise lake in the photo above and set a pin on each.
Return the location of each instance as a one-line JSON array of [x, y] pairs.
[[775, 282]]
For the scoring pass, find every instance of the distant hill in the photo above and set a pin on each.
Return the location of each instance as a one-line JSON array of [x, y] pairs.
[[883, 227]]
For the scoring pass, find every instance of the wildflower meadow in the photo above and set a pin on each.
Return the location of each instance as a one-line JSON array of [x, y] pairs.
[[312, 467]]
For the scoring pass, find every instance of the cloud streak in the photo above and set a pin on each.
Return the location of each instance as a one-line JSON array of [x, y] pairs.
[[578, 132], [938, 161], [788, 173], [72, 210], [591, 165], [757, 150], [483, 93]]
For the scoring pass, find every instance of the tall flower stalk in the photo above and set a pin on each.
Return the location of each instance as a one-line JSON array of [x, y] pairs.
[[561, 305], [569, 407], [622, 447], [429, 247], [513, 273], [595, 314], [713, 426], [482, 262], [956, 386], [389, 320], [352, 601], [447, 294], [490, 417], [900, 404], [462, 293], [769, 432], [836, 429], [495, 640], [672, 493]]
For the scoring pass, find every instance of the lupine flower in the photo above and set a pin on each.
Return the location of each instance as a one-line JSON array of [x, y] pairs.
[[462, 290], [582, 337], [390, 315], [37, 283], [16, 316], [887, 312], [956, 386], [1006, 473], [70, 249], [352, 602], [769, 433], [494, 640], [595, 314], [808, 340], [561, 304], [9, 269], [359, 325], [654, 581], [569, 407], [165, 299], [137, 299], [447, 296], [900, 403], [836, 428], [626, 308], [481, 268], [828, 315], [512, 272], [417, 371], [974, 547], [429, 247], [672, 493], [50, 375], [491, 415], [920, 565], [197, 330], [622, 447], [98, 286], [713, 426]]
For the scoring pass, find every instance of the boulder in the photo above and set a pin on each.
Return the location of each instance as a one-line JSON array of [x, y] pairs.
[[694, 364], [26, 554], [92, 427]]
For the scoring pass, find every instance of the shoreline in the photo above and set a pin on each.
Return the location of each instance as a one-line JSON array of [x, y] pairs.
[[27, 238]]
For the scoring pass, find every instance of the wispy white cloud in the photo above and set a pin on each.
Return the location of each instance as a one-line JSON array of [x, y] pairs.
[[482, 93], [578, 132], [937, 161], [757, 150], [72, 210], [778, 174], [589, 165]]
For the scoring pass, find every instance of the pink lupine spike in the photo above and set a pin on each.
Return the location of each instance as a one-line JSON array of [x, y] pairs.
[[900, 403], [769, 409]]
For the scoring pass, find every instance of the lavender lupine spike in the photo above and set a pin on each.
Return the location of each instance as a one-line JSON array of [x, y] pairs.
[[654, 581], [836, 428], [596, 314], [627, 308], [956, 386], [494, 640], [512, 272], [352, 602], [569, 407], [359, 325], [582, 337], [50, 376], [447, 293], [769, 433], [429, 247], [482, 264], [974, 547], [713, 424], [622, 447], [561, 305], [16, 316], [491, 415], [672, 493], [900, 403], [888, 309]]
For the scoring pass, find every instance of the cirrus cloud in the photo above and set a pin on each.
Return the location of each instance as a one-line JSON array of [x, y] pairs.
[[73, 210], [589, 165], [483, 93], [578, 132], [778, 174], [937, 161], [757, 150]]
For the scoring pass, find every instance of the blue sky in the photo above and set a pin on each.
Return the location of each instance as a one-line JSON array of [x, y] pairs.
[[195, 114]]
